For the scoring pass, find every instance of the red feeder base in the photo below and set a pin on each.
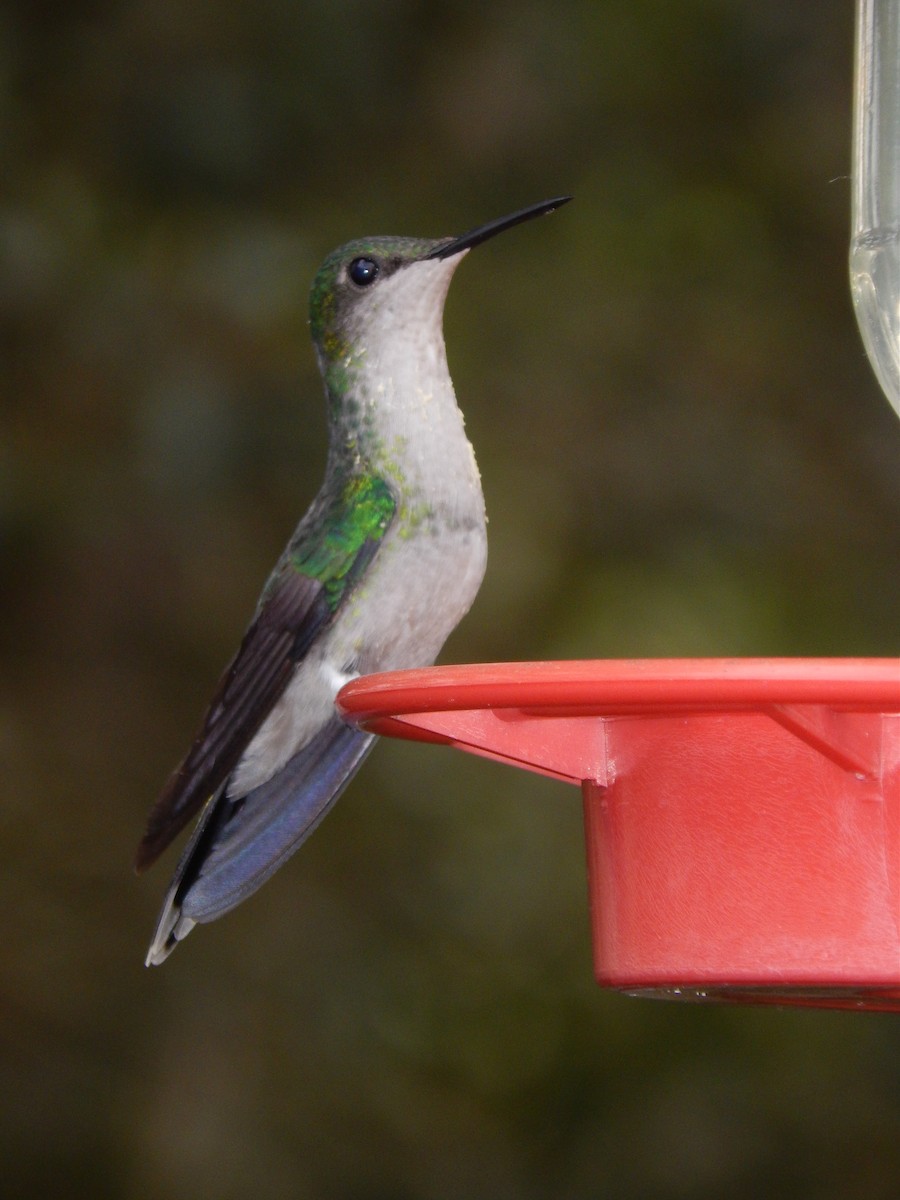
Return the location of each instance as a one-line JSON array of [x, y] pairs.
[[742, 816]]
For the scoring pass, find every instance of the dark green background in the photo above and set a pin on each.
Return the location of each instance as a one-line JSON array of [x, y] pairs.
[[684, 452]]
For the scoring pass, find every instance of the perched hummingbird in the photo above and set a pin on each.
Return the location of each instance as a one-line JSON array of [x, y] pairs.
[[379, 572]]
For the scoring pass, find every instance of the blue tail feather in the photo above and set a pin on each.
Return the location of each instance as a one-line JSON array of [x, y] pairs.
[[238, 845]]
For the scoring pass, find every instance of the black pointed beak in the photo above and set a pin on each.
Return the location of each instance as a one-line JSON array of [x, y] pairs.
[[483, 232]]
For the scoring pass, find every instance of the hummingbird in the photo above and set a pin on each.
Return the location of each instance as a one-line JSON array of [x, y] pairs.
[[380, 570]]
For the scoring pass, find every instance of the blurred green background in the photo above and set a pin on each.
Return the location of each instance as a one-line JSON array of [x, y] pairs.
[[684, 452]]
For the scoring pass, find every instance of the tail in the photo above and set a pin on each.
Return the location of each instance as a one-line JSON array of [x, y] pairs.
[[238, 844]]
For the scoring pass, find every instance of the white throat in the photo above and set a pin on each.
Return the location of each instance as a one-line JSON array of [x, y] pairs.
[[409, 422]]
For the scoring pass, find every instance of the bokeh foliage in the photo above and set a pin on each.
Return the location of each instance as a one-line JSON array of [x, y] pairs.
[[684, 452]]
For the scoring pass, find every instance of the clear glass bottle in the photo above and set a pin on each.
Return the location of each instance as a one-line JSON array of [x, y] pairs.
[[875, 242]]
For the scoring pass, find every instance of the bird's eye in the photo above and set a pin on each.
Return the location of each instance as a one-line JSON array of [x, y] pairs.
[[363, 271]]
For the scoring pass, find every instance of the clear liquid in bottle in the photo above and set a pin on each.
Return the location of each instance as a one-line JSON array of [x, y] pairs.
[[875, 287]]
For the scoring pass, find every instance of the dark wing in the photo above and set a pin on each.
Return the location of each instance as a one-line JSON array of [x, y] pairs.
[[294, 612], [345, 529]]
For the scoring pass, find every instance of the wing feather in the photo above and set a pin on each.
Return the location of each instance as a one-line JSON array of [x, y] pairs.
[[251, 684], [335, 544]]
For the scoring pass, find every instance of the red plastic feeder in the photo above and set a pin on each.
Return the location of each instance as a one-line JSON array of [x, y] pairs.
[[742, 816]]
